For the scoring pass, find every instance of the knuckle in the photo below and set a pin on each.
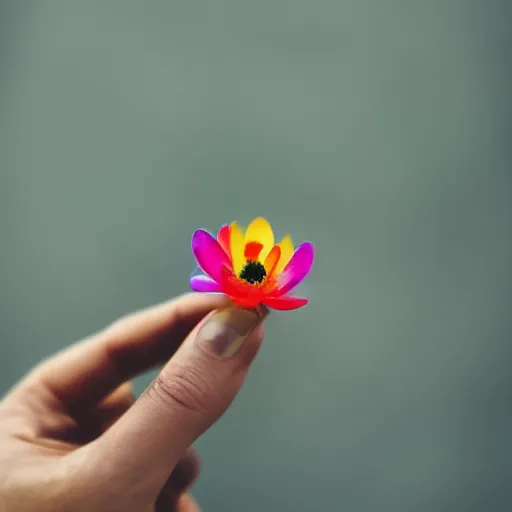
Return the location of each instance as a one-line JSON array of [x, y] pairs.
[[183, 388]]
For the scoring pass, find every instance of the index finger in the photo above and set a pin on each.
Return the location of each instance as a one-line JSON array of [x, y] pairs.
[[91, 369]]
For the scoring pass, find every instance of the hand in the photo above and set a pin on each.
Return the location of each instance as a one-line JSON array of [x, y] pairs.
[[74, 438]]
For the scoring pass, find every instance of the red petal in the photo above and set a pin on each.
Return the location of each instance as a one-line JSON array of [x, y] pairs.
[[246, 303], [223, 239], [242, 293], [285, 303]]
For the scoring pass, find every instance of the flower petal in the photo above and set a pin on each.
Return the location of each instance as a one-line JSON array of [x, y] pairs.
[[296, 269], [202, 283], [237, 246], [259, 230], [285, 303], [252, 251], [246, 302], [272, 260], [243, 294], [223, 238], [287, 248], [209, 254]]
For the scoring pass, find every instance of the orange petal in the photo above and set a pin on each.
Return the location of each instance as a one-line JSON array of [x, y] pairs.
[[270, 286], [272, 260], [287, 249], [252, 250], [223, 239]]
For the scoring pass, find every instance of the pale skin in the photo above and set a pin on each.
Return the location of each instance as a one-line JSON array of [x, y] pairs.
[[74, 438]]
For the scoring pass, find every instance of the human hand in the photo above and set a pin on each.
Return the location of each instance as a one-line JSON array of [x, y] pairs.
[[74, 438]]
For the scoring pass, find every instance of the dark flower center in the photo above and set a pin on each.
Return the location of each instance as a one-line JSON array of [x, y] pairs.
[[253, 272]]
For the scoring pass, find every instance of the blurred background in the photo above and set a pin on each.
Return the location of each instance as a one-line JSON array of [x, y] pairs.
[[379, 130]]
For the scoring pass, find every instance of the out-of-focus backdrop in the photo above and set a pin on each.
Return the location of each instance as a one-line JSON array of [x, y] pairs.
[[380, 130]]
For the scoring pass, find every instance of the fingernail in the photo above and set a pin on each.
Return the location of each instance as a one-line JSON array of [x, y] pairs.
[[226, 330]]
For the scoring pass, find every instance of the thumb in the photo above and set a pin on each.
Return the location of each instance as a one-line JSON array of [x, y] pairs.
[[193, 389]]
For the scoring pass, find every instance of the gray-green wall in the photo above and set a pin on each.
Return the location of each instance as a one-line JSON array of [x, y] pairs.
[[379, 129]]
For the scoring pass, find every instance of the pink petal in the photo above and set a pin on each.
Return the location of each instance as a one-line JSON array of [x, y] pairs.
[[285, 303], [297, 268], [202, 283], [209, 254]]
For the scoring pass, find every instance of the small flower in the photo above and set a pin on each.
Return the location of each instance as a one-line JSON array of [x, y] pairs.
[[249, 268]]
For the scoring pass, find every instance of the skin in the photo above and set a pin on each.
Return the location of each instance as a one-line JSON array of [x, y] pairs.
[[74, 438]]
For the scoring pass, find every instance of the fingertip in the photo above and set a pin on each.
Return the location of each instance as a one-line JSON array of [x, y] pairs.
[[187, 503], [227, 331], [186, 471]]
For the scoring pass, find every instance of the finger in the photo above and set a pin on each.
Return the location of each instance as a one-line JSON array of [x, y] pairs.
[[184, 474], [187, 503], [121, 396], [114, 406], [182, 478], [91, 369], [99, 417], [193, 389]]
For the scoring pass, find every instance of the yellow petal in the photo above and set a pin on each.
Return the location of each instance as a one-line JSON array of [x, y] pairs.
[[259, 230], [237, 246], [286, 246]]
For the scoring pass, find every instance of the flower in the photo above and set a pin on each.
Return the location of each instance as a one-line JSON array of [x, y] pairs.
[[249, 268]]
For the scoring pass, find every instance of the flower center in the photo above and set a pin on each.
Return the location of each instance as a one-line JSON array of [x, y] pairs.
[[253, 272]]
